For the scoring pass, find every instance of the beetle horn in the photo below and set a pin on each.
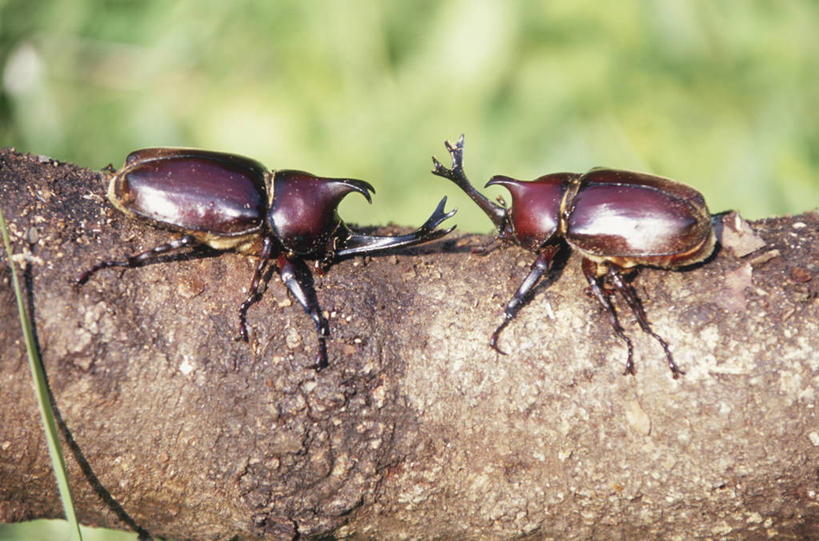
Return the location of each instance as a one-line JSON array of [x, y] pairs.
[[347, 185], [358, 243], [547, 189], [516, 187], [333, 190], [324, 194], [502, 180], [457, 175]]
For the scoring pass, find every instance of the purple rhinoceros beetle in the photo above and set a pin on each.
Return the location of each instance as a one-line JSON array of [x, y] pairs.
[[617, 220], [225, 202]]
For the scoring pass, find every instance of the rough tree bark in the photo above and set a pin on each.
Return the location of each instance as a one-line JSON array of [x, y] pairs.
[[417, 429]]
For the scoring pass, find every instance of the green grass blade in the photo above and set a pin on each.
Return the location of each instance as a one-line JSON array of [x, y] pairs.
[[46, 412]]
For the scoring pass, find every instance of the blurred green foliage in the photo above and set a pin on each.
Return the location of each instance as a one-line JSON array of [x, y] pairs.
[[721, 95], [58, 530]]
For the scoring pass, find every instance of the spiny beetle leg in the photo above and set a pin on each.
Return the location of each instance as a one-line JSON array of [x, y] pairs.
[[253, 295], [539, 268], [633, 302], [296, 276], [135, 260], [590, 272]]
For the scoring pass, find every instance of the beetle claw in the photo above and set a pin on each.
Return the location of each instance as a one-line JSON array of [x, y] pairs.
[[494, 346], [321, 356], [493, 341], [244, 335]]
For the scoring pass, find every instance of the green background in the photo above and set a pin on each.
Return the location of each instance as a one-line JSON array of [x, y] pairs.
[[720, 95]]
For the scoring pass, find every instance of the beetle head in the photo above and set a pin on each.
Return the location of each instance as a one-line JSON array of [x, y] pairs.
[[304, 209], [534, 216]]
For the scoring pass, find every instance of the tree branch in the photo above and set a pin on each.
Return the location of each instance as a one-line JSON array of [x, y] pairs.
[[417, 428]]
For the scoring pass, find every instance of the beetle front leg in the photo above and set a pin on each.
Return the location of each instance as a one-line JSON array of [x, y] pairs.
[[135, 260], [539, 268], [590, 272], [296, 276], [633, 302]]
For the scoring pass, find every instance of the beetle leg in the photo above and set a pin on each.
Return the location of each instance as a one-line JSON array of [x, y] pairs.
[[590, 272], [367, 244], [264, 257], [633, 302], [539, 268], [140, 258], [485, 248], [457, 175], [296, 276]]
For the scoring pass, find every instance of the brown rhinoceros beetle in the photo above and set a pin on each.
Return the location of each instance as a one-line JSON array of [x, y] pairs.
[[617, 220], [224, 202]]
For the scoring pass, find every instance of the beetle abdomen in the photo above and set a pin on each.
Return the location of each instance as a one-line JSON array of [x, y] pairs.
[[634, 218], [192, 190]]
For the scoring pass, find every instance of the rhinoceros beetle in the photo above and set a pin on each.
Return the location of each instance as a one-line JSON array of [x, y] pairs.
[[224, 201], [617, 220]]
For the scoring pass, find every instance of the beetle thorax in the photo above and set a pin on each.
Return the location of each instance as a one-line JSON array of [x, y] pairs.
[[301, 230], [535, 215], [303, 211]]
